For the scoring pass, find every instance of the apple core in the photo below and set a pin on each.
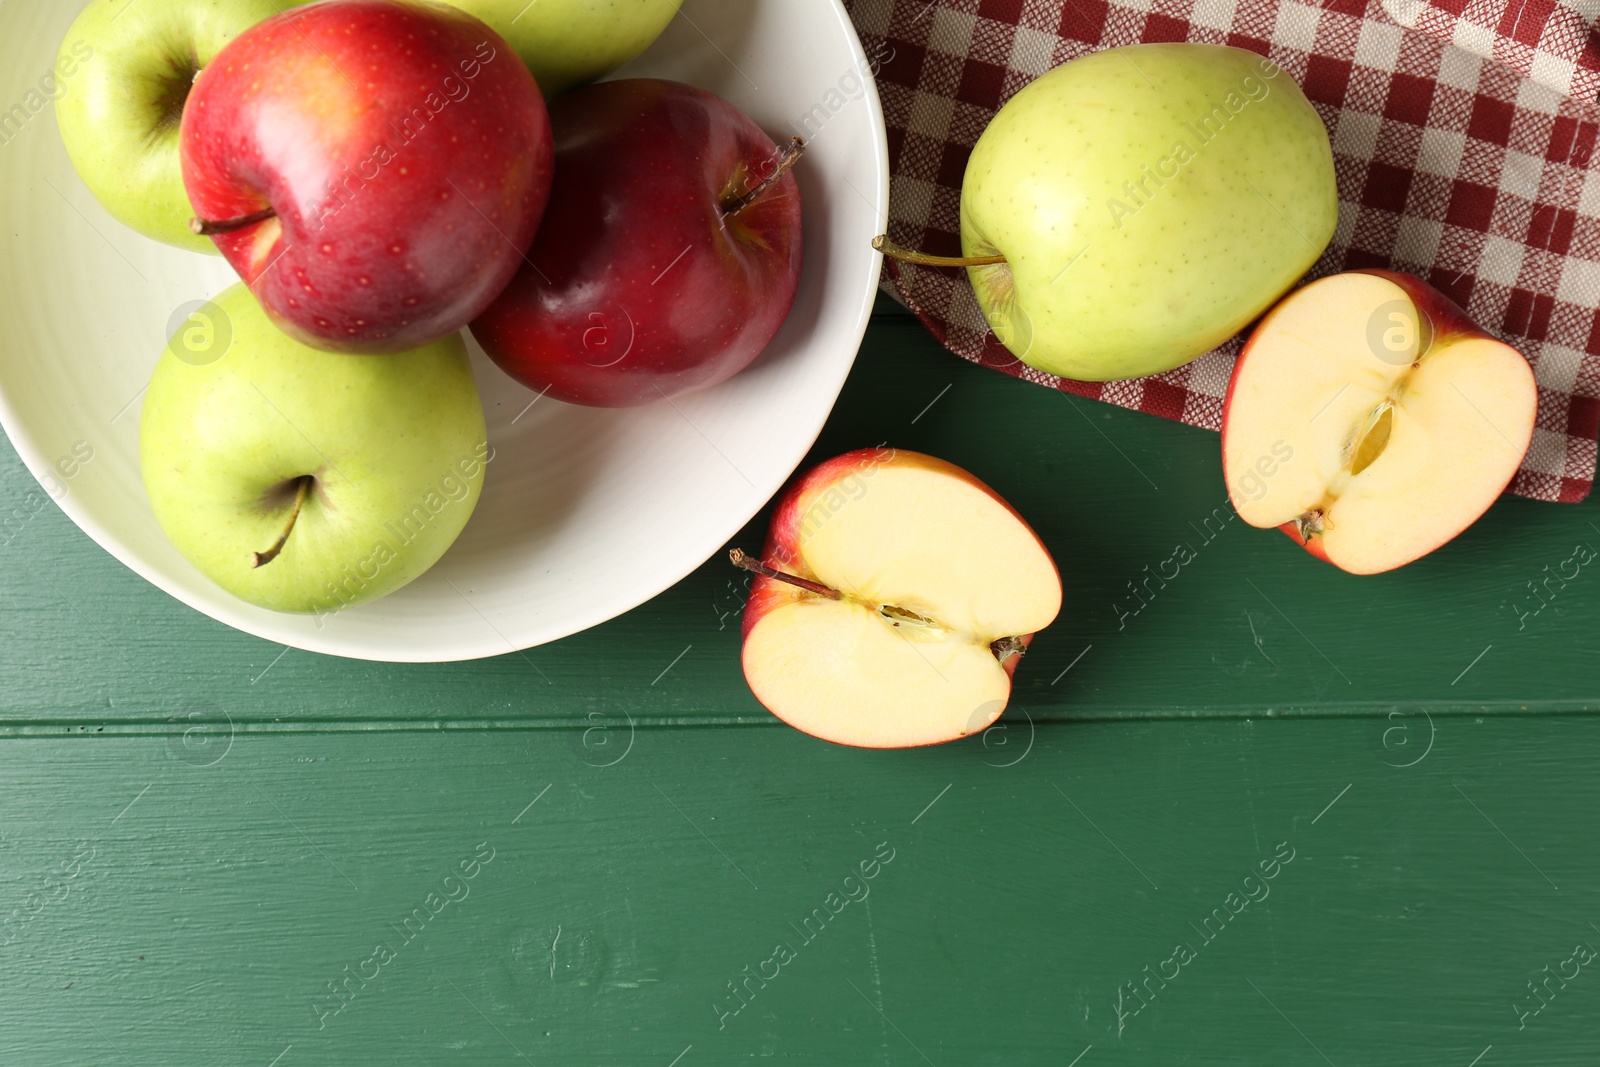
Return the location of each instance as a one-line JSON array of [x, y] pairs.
[[1003, 648]]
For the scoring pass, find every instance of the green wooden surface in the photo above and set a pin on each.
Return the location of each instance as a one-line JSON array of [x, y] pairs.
[[1252, 624], [215, 910], [202, 830]]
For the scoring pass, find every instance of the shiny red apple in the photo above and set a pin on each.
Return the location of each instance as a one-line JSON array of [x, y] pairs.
[[669, 255], [373, 169]]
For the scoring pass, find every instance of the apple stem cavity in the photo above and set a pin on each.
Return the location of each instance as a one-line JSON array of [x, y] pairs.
[[212, 227], [175, 96], [749, 563], [302, 490], [922, 259], [787, 158]]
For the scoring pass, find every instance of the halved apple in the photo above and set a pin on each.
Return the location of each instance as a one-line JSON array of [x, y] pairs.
[[896, 596], [1372, 421]]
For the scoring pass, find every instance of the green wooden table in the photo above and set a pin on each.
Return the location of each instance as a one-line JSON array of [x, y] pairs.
[[1267, 814]]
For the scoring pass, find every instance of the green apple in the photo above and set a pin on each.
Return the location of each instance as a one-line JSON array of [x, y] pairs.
[[1133, 208], [133, 63], [569, 42], [302, 480]]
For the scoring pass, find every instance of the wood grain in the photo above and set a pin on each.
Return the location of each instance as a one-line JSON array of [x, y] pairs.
[[217, 908], [204, 832], [1251, 625]]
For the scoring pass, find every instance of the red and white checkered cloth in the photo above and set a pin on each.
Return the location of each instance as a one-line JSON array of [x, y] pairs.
[[1463, 132]]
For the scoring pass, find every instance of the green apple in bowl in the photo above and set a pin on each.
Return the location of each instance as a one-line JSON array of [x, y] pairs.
[[567, 43], [1135, 207], [132, 64], [308, 481]]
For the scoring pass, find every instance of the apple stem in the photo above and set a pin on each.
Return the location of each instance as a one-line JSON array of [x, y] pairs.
[[303, 486], [789, 157], [208, 228], [751, 564], [922, 259], [1007, 647]]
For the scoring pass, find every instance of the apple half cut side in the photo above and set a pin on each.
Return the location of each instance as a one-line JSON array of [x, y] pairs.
[[893, 602], [1372, 421]]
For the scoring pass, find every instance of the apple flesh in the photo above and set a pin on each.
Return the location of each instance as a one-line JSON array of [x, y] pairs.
[[570, 42], [918, 589], [374, 170], [1134, 208], [1372, 421], [308, 481], [128, 66], [669, 255]]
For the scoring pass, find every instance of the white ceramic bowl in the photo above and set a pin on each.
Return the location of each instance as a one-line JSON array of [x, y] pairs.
[[586, 513]]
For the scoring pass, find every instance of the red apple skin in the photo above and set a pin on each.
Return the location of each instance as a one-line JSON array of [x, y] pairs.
[[782, 548], [636, 287], [1445, 318], [406, 151]]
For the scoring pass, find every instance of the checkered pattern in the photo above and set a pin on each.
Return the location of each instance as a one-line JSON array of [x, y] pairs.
[[1460, 159], [1547, 40]]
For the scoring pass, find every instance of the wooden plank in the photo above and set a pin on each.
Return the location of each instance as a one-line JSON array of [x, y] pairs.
[[162, 912], [1252, 624]]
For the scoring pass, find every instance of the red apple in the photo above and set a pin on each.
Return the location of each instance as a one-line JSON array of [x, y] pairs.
[[895, 598], [669, 255], [373, 169], [1372, 421]]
